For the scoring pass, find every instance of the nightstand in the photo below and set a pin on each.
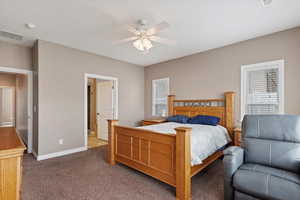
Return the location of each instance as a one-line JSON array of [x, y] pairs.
[[152, 121], [237, 140]]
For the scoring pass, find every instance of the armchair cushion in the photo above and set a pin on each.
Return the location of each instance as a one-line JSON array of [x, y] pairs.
[[272, 140], [267, 182], [272, 127], [273, 153]]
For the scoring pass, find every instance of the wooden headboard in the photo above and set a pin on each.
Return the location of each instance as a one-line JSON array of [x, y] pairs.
[[222, 108]]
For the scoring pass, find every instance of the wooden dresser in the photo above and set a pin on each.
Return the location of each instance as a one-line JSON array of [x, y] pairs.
[[11, 153]]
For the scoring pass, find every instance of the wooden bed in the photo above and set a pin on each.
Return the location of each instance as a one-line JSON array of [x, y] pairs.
[[168, 157]]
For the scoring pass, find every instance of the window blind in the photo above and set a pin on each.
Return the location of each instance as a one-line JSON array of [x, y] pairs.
[[160, 92], [262, 91]]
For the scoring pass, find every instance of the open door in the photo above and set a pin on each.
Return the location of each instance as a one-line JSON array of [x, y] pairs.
[[105, 108]]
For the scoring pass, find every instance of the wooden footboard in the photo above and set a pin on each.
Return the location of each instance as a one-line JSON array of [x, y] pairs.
[[154, 154], [146, 151]]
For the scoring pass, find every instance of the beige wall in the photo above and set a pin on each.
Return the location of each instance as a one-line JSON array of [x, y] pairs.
[[15, 56], [61, 88], [209, 74]]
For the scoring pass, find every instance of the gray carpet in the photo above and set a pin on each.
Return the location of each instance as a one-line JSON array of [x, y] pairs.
[[86, 176]]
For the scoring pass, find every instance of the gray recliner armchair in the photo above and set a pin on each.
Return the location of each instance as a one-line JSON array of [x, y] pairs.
[[268, 164]]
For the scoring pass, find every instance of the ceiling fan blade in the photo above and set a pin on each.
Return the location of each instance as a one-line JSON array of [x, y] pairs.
[[157, 28], [132, 29], [126, 40], [162, 40]]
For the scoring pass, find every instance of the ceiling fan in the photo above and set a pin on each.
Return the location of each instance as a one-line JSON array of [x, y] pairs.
[[144, 37]]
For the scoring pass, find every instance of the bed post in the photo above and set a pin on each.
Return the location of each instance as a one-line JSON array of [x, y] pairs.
[[111, 142], [171, 99], [183, 163], [229, 110]]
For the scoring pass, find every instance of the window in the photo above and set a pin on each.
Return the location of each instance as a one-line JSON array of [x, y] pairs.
[[262, 88], [160, 92]]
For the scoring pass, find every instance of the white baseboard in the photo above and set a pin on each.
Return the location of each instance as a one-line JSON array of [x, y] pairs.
[[6, 124], [58, 154]]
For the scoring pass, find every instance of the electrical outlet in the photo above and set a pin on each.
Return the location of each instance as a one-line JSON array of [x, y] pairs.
[[61, 141]]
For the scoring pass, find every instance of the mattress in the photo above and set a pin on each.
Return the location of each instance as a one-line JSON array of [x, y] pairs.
[[205, 139]]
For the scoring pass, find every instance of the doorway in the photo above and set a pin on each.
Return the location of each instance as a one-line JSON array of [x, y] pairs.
[[100, 105], [16, 102]]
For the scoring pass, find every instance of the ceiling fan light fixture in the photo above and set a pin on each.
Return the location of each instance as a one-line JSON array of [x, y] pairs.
[[138, 45], [143, 44], [147, 44], [143, 36]]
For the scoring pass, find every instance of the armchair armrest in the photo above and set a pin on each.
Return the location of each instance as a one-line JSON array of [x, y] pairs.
[[233, 159]]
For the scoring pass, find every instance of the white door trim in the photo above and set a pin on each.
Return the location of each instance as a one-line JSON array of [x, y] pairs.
[[29, 100], [114, 99]]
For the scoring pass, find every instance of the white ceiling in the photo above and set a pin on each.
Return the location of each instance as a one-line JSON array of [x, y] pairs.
[[196, 25]]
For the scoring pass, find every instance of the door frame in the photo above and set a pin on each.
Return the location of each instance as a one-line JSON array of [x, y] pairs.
[[29, 101], [114, 100]]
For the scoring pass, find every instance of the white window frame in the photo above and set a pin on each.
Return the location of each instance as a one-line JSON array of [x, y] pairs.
[[261, 66], [154, 92]]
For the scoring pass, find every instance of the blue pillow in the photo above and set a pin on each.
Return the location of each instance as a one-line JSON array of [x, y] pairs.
[[205, 120], [178, 118]]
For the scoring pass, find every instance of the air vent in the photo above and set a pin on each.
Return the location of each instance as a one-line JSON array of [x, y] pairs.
[[11, 35]]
